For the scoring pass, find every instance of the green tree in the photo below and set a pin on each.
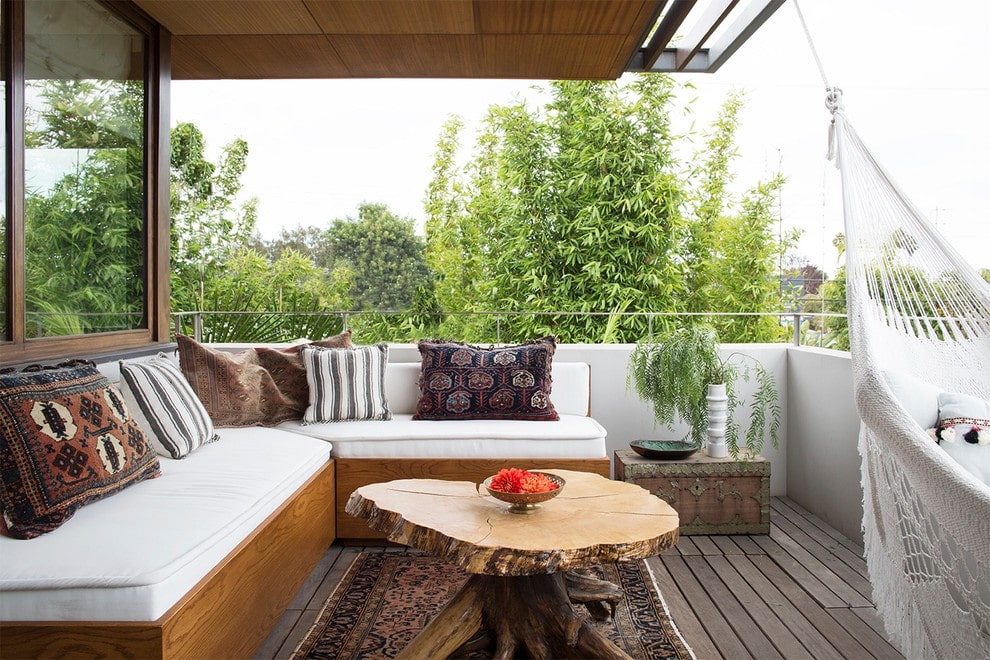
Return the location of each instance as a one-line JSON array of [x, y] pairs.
[[207, 223], [289, 289], [84, 234], [385, 255], [582, 206]]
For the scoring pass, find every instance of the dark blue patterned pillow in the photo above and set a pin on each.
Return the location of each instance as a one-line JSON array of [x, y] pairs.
[[66, 439], [459, 381]]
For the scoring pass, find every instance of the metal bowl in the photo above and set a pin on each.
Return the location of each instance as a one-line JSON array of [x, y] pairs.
[[525, 502], [663, 449]]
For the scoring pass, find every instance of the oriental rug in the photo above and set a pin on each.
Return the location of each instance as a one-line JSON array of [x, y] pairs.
[[385, 599]]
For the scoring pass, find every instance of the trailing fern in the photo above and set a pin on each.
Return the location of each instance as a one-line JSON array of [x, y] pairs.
[[674, 370]]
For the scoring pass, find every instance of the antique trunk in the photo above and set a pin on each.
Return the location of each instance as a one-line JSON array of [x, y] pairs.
[[711, 495]]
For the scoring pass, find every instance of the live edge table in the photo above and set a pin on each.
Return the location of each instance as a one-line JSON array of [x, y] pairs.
[[521, 566]]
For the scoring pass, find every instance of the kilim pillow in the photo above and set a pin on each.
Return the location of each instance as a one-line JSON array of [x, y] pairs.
[[165, 406], [287, 370], [346, 383], [459, 381], [237, 389], [66, 439]]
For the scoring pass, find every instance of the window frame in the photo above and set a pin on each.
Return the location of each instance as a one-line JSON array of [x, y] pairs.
[[17, 348]]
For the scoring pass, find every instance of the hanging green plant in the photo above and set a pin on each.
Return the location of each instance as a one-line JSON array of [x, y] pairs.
[[673, 371]]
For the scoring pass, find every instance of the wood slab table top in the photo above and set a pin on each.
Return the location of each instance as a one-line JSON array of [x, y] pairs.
[[592, 520]]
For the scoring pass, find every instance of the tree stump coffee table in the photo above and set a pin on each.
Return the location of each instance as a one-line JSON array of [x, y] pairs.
[[518, 591]]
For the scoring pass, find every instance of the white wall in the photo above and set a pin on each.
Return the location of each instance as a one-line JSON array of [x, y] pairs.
[[626, 418], [823, 467]]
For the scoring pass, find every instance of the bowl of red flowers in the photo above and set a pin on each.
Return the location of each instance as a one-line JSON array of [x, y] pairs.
[[522, 489]]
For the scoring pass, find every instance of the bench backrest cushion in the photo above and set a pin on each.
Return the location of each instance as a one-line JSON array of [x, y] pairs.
[[571, 392]]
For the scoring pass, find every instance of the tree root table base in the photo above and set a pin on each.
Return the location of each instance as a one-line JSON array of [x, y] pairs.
[[531, 614]]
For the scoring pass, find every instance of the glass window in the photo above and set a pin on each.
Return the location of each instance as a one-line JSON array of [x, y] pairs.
[[84, 179]]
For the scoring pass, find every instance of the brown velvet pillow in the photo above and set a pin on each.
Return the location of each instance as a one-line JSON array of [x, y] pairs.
[[459, 381], [66, 439], [287, 370], [238, 390]]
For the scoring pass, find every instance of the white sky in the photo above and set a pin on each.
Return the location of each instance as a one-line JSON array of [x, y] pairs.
[[916, 78]]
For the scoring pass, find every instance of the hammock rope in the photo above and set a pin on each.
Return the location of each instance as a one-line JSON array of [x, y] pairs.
[[916, 310]]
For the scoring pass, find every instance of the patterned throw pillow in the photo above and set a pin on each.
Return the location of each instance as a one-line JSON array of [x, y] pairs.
[[163, 403], [66, 439], [459, 381], [964, 431], [287, 370], [346, 383], [237, 389]]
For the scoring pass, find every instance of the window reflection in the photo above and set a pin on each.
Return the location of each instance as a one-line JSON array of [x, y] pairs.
[[84, 170]]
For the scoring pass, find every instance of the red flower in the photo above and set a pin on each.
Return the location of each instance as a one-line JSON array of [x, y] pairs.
[[514, 480]]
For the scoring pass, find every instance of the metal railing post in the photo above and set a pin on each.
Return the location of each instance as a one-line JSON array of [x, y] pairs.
[[198, 326], [797, 328], [343, 321], [178, 324], [498, 329]]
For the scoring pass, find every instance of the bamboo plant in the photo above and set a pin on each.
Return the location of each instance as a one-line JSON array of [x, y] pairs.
[[673, 370]]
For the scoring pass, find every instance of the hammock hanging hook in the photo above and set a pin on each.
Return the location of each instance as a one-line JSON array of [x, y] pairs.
[[833, 99]]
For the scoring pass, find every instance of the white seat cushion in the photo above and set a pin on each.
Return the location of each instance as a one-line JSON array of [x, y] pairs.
[[132, 556], [574, 436]]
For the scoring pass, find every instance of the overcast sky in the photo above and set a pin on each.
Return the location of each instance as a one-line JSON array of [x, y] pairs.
[[915, 74]]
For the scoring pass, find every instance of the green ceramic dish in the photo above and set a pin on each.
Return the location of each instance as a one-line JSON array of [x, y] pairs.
[[663, 449]]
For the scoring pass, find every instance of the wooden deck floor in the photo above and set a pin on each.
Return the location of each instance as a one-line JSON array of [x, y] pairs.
[[801, 592]]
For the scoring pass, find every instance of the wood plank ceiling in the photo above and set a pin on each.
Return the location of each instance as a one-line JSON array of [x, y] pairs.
[[543, 39]]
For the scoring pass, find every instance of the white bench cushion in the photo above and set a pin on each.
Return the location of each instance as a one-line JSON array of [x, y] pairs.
[[132, 556], [574, 436]]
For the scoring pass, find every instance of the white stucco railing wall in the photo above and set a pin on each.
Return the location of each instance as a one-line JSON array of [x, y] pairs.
[[823, 463]]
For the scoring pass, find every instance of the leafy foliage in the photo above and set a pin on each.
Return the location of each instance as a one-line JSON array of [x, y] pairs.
[[581, 206], [385, 254], [84, 234], [673, 372]]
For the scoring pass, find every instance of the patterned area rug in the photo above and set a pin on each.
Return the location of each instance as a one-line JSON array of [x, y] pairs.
[[385, 599]]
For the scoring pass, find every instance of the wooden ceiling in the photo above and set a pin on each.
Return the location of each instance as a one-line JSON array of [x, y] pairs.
[[543, 39]]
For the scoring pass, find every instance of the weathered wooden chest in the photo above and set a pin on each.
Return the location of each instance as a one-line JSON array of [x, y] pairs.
[[711, 495]]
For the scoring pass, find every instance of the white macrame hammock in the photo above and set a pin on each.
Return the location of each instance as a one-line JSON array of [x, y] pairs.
[[915, 307]]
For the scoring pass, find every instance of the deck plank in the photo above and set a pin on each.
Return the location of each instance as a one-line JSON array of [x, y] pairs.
[[850, 596], [816, 644], [735, 613], [849, 575], [776, 631], [799, 574], [719, 630], [682, 614], [832, 545], [879, 647], [727, 545], [706, 546], [748, 545], [810, 608], [855, 547], [687, 547]]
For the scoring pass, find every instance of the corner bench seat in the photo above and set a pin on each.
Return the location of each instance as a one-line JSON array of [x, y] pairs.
[[132, 556]]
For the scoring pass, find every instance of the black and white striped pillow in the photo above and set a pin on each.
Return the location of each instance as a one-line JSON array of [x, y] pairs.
[[345, 383], [162, 402]]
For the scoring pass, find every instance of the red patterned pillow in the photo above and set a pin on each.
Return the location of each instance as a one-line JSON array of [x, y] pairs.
[[239, 389], [66, 439], [459, 381]]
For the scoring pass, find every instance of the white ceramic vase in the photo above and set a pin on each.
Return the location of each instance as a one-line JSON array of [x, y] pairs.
[[718, 414]]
